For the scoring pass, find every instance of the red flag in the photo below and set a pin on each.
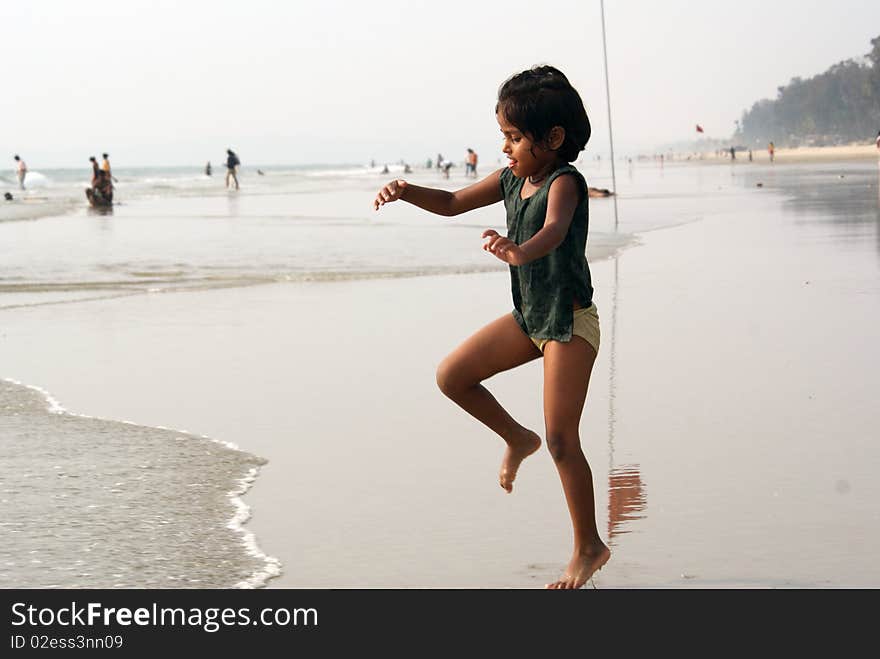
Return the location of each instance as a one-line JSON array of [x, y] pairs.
[[699, 128]]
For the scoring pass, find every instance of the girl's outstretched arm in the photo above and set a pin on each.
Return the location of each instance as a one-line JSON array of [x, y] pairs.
[[443, 202]]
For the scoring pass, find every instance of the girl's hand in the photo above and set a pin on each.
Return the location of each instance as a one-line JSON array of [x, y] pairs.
[[504, 248], [391, 192]]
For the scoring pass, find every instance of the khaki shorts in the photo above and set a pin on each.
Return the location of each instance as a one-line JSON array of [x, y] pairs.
[[586, 326]]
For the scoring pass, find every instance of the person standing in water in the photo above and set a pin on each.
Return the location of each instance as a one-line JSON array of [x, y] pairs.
[[232, 163], [20, 170], [96, 170], [544, 127], [471, 164], [105, 167]]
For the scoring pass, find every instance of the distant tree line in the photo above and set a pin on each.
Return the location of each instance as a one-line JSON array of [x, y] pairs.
[[838, 106]]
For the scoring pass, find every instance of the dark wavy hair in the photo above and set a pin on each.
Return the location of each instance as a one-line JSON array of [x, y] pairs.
[[540, 98]]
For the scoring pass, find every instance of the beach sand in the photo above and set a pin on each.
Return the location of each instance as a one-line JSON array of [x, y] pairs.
[[730, 423], [804, 154]]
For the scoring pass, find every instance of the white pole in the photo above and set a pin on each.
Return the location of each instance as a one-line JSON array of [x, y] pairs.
[[608, 102]]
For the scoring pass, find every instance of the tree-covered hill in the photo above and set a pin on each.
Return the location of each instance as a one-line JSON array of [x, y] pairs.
[[839, 106]]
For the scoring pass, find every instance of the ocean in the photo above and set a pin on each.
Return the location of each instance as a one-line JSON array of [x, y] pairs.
[[177, 229]]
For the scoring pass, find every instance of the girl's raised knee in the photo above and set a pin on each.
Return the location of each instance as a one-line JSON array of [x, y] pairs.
[[452, 379], [445, 379]]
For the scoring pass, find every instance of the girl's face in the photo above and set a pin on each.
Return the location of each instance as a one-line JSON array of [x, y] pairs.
[[525, 157]]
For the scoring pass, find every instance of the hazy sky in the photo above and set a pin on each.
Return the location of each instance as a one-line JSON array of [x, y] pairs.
[[176, 82]]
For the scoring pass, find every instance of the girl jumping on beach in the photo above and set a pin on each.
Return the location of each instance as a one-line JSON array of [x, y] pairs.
[[544, 127]]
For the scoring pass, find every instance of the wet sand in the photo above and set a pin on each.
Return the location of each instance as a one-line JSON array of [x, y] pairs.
[[730, 424]]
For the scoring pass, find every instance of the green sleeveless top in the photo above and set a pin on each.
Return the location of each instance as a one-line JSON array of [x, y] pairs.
[[545, 289]]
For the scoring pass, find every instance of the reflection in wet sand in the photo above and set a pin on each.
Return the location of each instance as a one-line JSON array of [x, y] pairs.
[[100, 210], [626, 493], [626, 499]]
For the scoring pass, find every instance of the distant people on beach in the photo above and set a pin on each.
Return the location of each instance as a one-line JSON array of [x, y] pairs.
[[96, 170], [232, 164], [470, 164], [447, 165], [877, 141], [105, 166], [208, 168], [260, 172], [732, 153], [20, 170], [102, 184], [385, 169], [553, 316], [439, 161], [771, 149]]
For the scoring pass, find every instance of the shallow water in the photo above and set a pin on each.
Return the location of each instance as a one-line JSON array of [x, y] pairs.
[[176, 230], [103, 504]]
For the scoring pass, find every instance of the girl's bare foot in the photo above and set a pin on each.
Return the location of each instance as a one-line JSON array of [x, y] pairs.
[[518, 449], [581, 568]]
